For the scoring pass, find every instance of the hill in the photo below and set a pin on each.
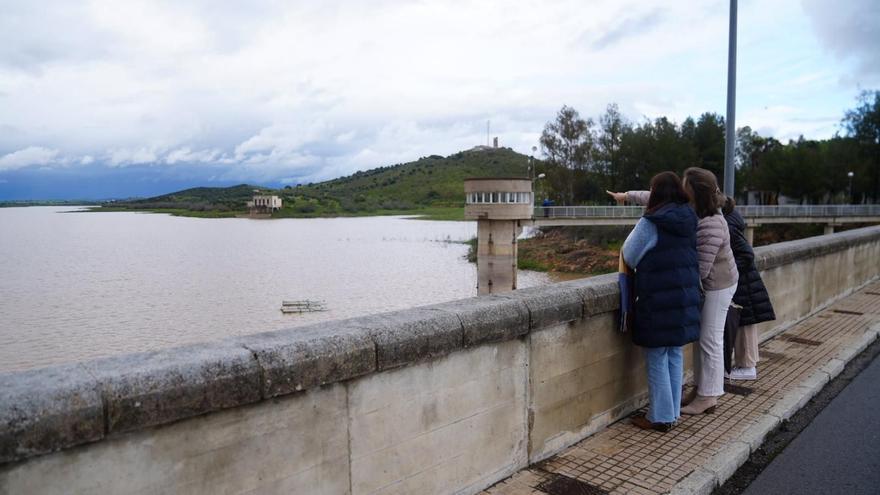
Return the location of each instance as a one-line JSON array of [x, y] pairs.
[[432, 185], [197, 199]]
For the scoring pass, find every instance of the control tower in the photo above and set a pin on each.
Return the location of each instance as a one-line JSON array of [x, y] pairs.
[[499, 205]]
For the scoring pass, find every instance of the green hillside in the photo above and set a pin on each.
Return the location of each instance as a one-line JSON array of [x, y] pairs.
[[430, 181], [431, 185], [197, 199]]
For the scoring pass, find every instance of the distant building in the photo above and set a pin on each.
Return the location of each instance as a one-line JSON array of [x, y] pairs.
[[264, 204], [495, 142]]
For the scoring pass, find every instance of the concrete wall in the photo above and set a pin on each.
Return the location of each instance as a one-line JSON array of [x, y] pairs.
[[440, 399]]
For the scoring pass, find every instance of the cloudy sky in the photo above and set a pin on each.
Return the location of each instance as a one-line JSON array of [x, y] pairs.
[[119, 98]]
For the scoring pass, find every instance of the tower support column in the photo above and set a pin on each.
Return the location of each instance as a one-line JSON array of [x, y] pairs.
[[496, 255]]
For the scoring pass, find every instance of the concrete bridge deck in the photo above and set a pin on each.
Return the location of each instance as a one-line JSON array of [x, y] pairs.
[[702, 451]]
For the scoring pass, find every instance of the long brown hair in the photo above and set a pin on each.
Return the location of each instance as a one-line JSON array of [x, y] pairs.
[[665, 188], [702, 186]]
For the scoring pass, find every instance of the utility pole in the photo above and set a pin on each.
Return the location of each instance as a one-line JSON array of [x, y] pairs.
[[850, 175], [532, 163], [730, 139]]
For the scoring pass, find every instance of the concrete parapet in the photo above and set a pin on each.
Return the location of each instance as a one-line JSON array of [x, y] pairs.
[[48, 409], [784, 253], [601, 294], [489, 318], [557, 303], [409, 336], [153, 388], [301, 358], [516, 376]]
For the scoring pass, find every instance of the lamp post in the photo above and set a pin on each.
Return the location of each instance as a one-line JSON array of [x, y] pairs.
[[532, 163], [536, 179], [850, 175], [534, 192], [730, 121]]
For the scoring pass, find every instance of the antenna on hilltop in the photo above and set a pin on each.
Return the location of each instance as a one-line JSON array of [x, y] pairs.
[[488, 143]]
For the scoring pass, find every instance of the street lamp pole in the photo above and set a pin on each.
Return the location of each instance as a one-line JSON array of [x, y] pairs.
[[730, 139], [850, 175], [532, 163], [534, 195]]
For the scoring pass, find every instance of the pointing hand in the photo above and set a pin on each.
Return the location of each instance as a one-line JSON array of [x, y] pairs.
[[620, 197]]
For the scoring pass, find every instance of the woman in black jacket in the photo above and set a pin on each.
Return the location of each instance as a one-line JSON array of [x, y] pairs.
[[751, 295]]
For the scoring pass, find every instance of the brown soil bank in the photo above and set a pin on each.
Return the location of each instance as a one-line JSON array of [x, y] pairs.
[[588, 251]]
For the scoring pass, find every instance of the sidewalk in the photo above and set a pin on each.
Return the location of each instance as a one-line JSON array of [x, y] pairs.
[[703, 451]]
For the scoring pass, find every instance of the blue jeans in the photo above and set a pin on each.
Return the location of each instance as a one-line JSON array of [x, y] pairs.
[[664, 383]]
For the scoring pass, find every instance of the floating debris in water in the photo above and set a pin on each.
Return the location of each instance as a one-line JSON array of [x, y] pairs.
[[304, 306]]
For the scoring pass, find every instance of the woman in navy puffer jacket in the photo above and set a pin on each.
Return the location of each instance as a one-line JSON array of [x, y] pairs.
[[662, 249]]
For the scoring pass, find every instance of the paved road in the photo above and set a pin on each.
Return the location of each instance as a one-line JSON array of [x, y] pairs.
[[839, 452]]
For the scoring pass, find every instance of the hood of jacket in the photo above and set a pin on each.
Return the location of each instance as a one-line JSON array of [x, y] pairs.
[[676, 219]]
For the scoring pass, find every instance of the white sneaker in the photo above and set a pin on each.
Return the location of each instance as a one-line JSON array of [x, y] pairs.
[[738, 373]]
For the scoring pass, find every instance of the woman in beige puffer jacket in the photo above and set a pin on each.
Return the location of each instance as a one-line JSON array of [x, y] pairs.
[[719, 276]]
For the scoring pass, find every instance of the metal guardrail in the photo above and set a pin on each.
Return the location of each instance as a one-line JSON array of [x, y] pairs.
[[589, 211], [810, 211], [792, 211]]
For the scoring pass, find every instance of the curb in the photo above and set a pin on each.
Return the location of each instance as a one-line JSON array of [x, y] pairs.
[[721, 466]]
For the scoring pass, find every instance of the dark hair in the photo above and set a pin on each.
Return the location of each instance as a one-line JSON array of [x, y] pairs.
[[729, 205], [702, 187], [665, 188]]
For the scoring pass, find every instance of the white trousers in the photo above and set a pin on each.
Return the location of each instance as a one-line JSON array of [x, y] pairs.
[[709, 351]]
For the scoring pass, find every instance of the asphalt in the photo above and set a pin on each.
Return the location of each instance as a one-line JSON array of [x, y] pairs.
[[838, 452]]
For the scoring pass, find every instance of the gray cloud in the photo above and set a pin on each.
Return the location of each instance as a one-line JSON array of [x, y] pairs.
[[849, 29], [312, 90], [33, 35], [630, 26]]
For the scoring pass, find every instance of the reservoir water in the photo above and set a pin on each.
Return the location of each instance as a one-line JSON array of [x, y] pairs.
[[77, 285]]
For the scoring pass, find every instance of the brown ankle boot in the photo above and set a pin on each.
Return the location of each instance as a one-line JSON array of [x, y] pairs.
[[644, 423], [689, 397], [701, 405]]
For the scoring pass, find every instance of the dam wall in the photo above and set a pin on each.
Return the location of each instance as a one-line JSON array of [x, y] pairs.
[[447, 398]]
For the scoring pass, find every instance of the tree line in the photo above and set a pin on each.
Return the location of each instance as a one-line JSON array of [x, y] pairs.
[[584, 157]]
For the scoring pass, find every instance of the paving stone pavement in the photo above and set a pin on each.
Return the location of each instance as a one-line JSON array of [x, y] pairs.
[[703, 450]]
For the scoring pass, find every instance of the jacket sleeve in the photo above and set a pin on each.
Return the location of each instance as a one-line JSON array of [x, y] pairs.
[[642, 239], [709, 241], [638, 197]]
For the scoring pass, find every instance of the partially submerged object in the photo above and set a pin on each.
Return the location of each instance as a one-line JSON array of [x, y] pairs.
[[304, 306]]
